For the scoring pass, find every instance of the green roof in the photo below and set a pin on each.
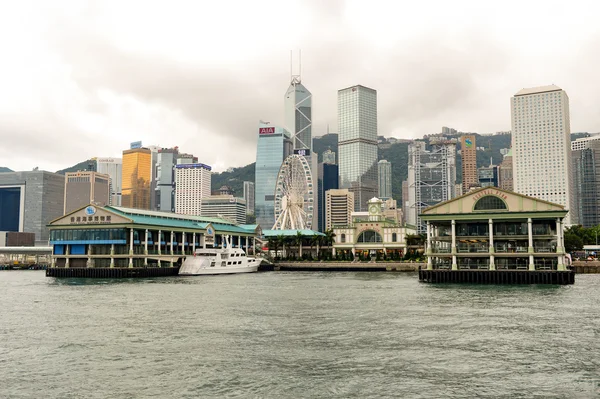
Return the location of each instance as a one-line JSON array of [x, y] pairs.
[[227, 228], [128, 212], [287, 233]]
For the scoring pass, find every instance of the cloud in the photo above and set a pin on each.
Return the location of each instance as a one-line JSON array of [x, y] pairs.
[[87, 78]]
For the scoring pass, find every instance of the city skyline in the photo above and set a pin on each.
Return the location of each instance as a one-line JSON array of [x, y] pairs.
[[146, 83]]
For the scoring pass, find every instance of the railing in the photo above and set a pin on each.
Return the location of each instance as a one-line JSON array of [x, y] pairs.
[[472, 248]]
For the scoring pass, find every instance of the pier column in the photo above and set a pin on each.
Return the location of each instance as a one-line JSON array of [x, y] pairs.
[[183, 243], [530, 233], [253, 245], [112, 255], [67, 253], [131, 241], [53, 261], [454, 264], [172, 241], [89, 258], [491, 228], [159, 243], [146, 249], [171, 258], [492, 264], [531, 263], [429, 251], [560, 265], [203, 241], [453, 247]]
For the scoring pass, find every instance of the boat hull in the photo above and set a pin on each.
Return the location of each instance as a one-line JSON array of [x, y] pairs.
[[198, 267]]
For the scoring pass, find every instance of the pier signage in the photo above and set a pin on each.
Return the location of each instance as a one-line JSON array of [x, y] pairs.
[[483, 193]]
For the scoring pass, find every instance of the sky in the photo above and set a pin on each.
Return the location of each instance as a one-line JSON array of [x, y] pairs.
[[82, 79]]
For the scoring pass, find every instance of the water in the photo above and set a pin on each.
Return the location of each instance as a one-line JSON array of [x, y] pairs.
[[293, 335]]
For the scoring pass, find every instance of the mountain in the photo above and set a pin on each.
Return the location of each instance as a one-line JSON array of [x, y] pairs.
[[234, 179], [3, 169], [89, 164]]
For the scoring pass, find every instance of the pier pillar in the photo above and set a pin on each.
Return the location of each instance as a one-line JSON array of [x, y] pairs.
[[193, 243], [89, 263], [182, 243], [453, 248], [492, 264], [454, 264], [531, 263], [253, 245], [171, 258], [491, 229], [112, 253], [530, 234], [429, 252], [159, 242], [146, 244], [131, 241], [560, 247], [67, 253]]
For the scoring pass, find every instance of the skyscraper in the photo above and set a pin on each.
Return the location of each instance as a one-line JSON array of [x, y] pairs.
[[274, 145], [328, 180], [468, 153], [339, 205], [249, 197], [298, 114], [112, 167], [541, 145], [192, 183], [506, 172], [84, 188], [164, 192], [137, 174], [329, 157], [586, 184], [431, 178], [357, 146], [385, 179], [226, 207]]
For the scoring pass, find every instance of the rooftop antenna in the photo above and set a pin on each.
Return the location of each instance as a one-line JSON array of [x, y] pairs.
[[295, 79]]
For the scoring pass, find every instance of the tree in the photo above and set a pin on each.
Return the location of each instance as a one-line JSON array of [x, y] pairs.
[[282, 241], [273, 244], [315, 240], [572, 242], [250, 219], [329, 238], [298, 241]]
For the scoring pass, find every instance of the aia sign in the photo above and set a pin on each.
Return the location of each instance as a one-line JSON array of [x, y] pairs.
[[266, 130]]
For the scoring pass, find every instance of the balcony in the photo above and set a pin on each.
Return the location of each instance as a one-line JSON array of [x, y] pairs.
[[470, 247]]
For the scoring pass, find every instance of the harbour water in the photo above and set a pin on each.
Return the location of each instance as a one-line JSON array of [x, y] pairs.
[[296, 335]]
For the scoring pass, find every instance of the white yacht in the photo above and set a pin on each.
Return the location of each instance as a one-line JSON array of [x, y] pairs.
[[225, 260]]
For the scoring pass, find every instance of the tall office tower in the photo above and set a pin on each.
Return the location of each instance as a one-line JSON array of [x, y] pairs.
[[84, 188], [192, 182], [249, 197], [154, 149], [586, 184], [405, 203], [136, 179], [541, 145], [164, 179], [468, 153], [385, 179], [431, 178], [327, 180], [339, 205], [329, 157], [357, 146], [29, 201], [186, 158], [298, 114], [226, 207], [506, 172], [112, 167], [583, 143], [274, 145]]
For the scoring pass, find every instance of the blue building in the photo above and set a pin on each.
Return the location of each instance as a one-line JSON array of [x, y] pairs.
[[328, 180], [274, 145]]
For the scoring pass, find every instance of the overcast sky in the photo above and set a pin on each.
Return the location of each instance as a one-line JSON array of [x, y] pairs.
[[85, 78]]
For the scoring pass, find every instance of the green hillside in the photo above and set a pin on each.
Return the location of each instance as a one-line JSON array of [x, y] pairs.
[[90, 164], [324, 143], [234, 179]]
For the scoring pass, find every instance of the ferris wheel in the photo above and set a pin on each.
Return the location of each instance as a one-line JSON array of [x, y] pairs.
[[294, 195]]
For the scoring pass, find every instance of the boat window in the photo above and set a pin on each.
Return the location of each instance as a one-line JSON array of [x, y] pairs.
[[212, 264], [223, 264]]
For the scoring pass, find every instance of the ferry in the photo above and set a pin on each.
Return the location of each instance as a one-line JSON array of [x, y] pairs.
[[227, 260]]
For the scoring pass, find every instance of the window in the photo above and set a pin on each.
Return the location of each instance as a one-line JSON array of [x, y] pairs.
[[490, 202], [369, 236], [343, 238], [394, 237]]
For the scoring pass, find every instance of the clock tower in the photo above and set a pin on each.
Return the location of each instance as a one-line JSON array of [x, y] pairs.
[[375, 208]]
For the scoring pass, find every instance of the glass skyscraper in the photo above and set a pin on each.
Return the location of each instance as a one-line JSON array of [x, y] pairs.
[[274, 145], [357, 146], [298, 114], [385, 179], [137, 173]]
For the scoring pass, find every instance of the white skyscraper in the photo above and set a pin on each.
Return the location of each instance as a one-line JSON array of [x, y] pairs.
[[192, 183], [541, 145], [113, 168], [249, 197]]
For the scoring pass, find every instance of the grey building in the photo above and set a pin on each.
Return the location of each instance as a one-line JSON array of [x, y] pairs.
[[114, 168], [226, 207], [586, 182], [30, 200], [385, 179], [329, 157], [84, 188], [357, 145], [164, 172], [249, 197]]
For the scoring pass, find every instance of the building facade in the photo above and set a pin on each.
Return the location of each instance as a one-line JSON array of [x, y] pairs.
[[586, 182], [83, 188], [328, 180], [112, 167], [495, 229], [541, 145], [488, 176], [468, 153], [339, 205], [329, 157], [298, 114], [249, 197], [164, 179], [506, 172], [357, 145], [225, 207], [583, 143], [136, 179], [30, 200], [385, 179], [192, 184], [371, 233], [274, 145], [431, 178]]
